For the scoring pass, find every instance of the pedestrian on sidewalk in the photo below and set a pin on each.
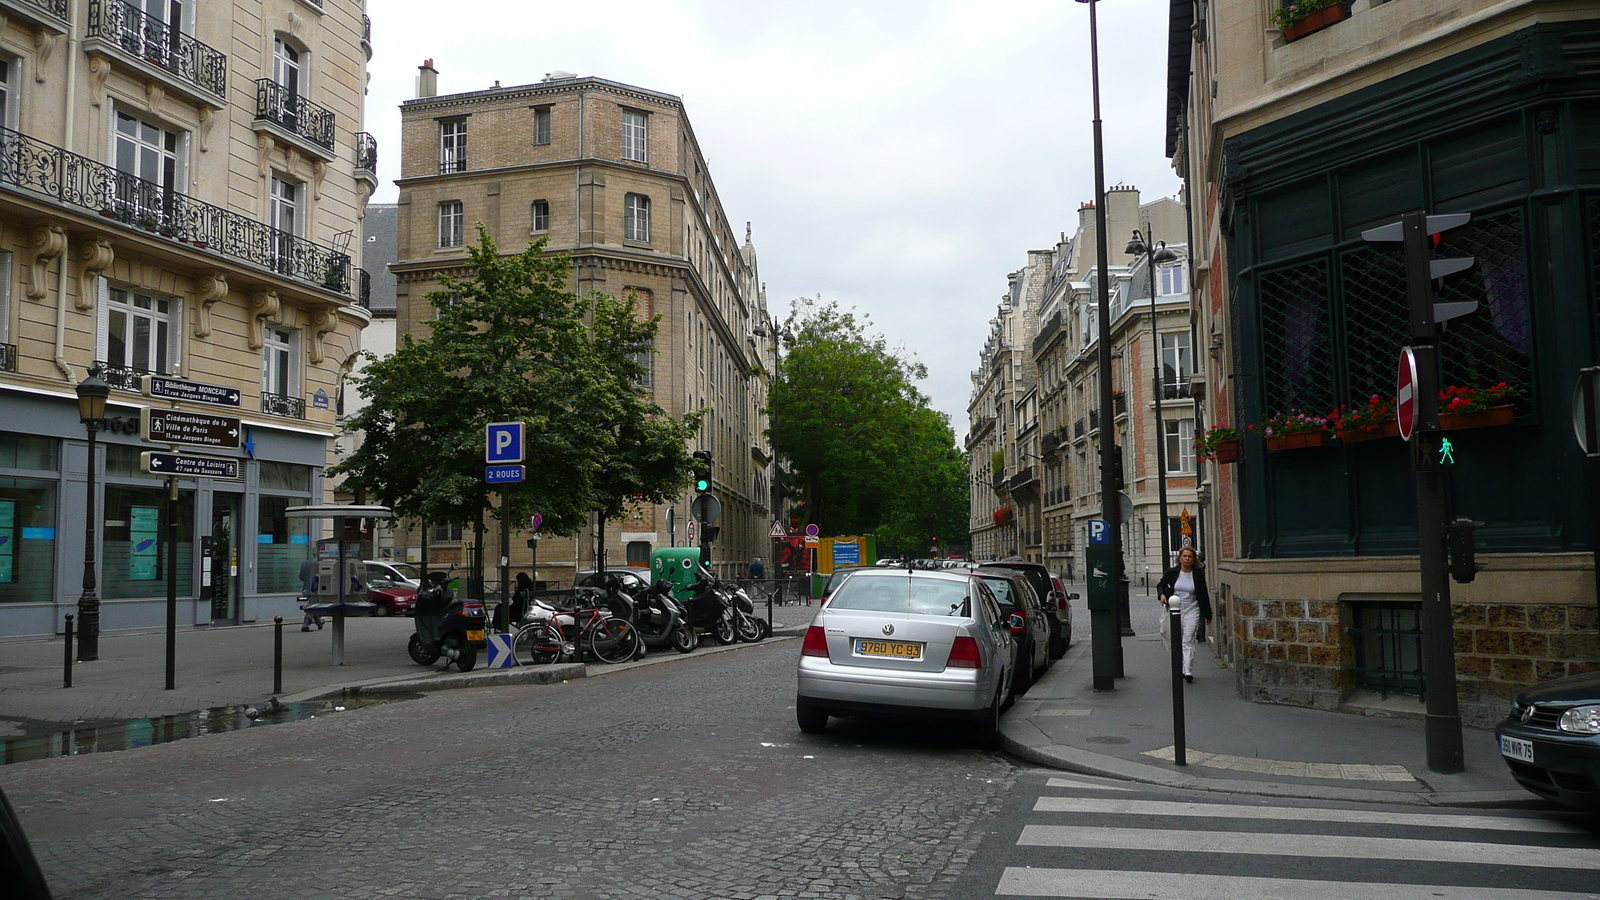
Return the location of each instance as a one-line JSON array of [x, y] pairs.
[[758, 572], [308, 583], [1186, 583]]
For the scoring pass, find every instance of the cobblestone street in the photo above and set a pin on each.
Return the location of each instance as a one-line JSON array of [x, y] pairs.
[[687, 779]]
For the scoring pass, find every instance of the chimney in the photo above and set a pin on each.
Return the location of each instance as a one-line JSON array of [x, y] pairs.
[[427, 80]]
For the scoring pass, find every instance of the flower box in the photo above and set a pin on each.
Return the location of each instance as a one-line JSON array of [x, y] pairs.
[[1498, 415], [1316, 21], [1297, 441], [1227, 451], [1388, 429]]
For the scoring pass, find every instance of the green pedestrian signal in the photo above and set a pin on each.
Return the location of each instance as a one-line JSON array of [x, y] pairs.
[[1447, 452]]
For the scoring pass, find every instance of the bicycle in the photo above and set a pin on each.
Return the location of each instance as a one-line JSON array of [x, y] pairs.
[[609, 638]]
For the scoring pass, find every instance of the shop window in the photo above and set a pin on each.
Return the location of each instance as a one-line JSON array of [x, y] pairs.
[[27, 451], [27, 539], [282, 543], [134, 548], [281, 476]]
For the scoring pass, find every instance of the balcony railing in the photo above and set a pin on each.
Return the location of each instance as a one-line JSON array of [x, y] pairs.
[[72, 180], [1175, 390], [1046, 332], [452, 162], [366, 152], [365, 296], [8, 357], [288, 110], [366, 29], [280, 405], [123, 378], [150, 40], [57, 8], [1094, 419], [1051, 441]]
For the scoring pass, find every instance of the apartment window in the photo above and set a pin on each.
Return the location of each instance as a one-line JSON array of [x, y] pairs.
[[278, 375], [286, 67], [146, 153], [541, 215], [636, 218], [453, 146], [139, 331], [541, 125], [1180, 446], [634, 136], [286, 220], [7, 68], [451, 223], [1171, 279], [1177, 364], [445, 534]]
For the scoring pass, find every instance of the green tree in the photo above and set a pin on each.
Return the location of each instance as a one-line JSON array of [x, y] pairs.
[[867, 451], [511, 343]]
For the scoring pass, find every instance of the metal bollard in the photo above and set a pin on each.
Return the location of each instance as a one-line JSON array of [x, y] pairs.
[[1175, 628], [769, 612], [66, 663], [277, 655]]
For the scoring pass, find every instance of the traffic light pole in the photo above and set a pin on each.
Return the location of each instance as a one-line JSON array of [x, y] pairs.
[[1443, 727]]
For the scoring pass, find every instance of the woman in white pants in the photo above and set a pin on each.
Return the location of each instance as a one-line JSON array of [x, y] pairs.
[[1186, 582]]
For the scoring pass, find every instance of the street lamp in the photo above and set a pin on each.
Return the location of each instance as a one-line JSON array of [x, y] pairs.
[[92, 394], [1158, 254]]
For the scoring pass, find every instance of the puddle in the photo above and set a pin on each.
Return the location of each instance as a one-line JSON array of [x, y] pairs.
[[106, 737]]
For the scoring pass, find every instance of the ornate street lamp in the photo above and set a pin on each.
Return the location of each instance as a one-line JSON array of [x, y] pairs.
[[1137, 247], [92, 394]]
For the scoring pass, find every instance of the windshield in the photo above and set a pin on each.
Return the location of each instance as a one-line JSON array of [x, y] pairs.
[[407, 570], [902, 593]]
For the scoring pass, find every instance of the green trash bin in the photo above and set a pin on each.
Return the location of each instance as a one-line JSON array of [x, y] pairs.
[[679, 565]]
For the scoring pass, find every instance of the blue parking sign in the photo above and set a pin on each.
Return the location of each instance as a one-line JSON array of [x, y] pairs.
[[1099, 531], [503, 443]]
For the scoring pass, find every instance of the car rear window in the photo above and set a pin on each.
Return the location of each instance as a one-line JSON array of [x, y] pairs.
[[1002, 593], [902, 593]]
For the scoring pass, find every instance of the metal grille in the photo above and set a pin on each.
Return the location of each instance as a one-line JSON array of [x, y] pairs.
[[1376, 320], [280, 106], [148, 39], [1388, 647], [8, 357], [280, 405], [1297, 349], [1495, 343]]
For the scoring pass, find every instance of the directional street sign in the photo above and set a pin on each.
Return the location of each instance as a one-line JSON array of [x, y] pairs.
[[1405, 395], [177, 426], [503, 443], [192, 391], [188, 466], [504, 474]]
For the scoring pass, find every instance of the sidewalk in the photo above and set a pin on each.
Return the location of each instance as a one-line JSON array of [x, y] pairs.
[[232, 666], [1233, 745]]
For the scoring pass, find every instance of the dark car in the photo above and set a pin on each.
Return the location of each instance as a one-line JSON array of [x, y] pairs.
[[1016, 596], [1551, 740], [1054, 601]]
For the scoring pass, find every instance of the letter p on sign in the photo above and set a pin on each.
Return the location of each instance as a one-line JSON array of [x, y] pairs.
[[503, 443]]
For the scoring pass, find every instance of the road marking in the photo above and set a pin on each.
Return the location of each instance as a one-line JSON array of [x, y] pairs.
[[1313, 845], [1289, 768], [1290, 813], [1113, 885], [1069, 783]]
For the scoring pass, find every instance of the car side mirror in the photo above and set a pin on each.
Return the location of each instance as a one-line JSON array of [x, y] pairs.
[[1072, 596], [1017, 624]]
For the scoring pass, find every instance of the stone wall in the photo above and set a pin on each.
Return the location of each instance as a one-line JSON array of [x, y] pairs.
[[1502, 647], [1292, 651]]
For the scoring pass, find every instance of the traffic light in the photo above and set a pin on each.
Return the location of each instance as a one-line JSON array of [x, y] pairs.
[[702, 471], [709, 533], [1116, 471], [1463, 551]]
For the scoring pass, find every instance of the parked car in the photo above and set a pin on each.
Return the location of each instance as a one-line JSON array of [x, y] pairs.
[[1016, 595], [908, 642], [633, 579], [388, 570], [391, 599], [1053, 599], [1551, 740]]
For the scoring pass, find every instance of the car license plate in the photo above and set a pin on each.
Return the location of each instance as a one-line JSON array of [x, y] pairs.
[[475, 636], [1516, 748], [890, 649]]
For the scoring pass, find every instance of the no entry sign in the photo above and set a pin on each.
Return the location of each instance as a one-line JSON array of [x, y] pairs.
[[1405, 394]]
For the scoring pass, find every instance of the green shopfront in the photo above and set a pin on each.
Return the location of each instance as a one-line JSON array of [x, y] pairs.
[[1509, 132]]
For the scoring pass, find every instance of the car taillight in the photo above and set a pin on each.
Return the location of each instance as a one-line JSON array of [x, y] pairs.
[[1061, 593], [964, 654], [816, 643]]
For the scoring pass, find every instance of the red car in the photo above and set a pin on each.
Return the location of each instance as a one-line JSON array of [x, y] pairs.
[[392, 600]]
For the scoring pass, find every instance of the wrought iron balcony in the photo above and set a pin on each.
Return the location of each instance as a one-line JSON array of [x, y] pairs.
[[45, 170], [8, 357], [365, 296], [1023, 479], [50, 12], [1094, 419], [1077, 429], [123, 378], [452, 162], [1175, 390], [280, 405], [294, 113], [146, 39], [1051, 441], [366, 29], [366, 152]]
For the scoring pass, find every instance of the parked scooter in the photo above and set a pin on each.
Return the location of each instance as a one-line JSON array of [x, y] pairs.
[[659, 619], [446, 626], [748, 626], [711, 609]]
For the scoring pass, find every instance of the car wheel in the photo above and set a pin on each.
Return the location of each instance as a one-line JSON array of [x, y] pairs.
[[810, 719], [986, 730], [380, 611]]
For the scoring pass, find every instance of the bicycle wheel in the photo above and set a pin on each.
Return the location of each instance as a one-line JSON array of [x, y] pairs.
[[613, 641], [537, 645]]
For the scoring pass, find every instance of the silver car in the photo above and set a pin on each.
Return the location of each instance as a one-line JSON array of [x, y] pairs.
[[910, 642]]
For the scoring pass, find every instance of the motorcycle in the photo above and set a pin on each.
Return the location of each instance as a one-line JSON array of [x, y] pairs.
[[657, 617], [711, 609], [446, 626]]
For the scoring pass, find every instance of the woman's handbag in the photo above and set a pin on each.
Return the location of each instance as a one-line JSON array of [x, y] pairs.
[[1200, 632]]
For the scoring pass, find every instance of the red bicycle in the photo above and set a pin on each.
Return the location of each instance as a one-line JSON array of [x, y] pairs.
[[549, 635]]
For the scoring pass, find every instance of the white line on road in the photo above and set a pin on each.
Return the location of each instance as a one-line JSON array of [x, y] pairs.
[[1323, 846], [1111, 885], [1069, 783], [1296, 814]]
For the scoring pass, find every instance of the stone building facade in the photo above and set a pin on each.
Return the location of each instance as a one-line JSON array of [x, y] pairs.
[[179, 196], [1292, 149], [613, 175]]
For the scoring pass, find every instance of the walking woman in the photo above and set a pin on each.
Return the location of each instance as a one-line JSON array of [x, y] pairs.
[[1186, 583]]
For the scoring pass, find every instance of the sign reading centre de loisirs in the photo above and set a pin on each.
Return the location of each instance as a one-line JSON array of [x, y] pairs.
[[177, 426], [188, 466]]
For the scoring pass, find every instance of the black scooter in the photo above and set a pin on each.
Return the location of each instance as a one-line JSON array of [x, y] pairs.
[[446, 626], [659, 619], [711, 609]]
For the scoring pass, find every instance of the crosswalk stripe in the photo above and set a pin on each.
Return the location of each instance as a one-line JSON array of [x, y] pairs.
[[1289, 813], [1313, 845], [1069, 783], [1112, 885]]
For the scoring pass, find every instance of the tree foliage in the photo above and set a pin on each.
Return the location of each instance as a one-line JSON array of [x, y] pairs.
[[869, 453], [511, 343]]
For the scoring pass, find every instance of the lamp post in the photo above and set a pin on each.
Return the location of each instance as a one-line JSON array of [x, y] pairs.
[[92, 394], [1156, 252]]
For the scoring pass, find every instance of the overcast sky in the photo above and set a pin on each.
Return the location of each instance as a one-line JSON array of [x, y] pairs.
[[898, 157]]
